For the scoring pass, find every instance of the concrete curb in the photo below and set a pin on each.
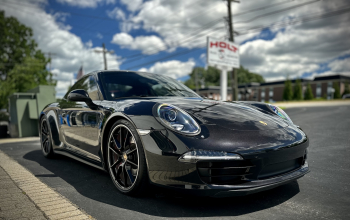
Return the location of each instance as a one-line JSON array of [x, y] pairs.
[[52, 204], [312, 104], [12, 140]]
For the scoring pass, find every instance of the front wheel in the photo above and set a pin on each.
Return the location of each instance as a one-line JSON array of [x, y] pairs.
[[126, 159], [45, 138]]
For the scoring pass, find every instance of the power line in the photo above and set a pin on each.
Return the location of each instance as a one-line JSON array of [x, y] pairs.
[[179, 43], [278, 11], [70, 12], [200, 29], [170, 56], [215, 21], [300, 20], [84, 15], [322, 16], [185, 40], [212, 23], [146, 10]]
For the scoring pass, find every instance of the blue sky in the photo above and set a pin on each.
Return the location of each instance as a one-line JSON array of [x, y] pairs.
[[92, 24], [278, 38]]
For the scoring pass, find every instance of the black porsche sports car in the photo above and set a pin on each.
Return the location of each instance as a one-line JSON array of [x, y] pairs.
[[150, 129]]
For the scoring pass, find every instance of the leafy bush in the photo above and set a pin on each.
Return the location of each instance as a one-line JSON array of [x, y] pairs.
[[288, 91], [308, 93], [4, 116]]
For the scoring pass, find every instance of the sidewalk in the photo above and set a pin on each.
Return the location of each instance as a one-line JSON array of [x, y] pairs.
[[14, 203], [313, 103], [23, 196]]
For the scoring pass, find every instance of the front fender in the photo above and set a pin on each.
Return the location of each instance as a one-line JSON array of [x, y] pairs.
[[52, 117]]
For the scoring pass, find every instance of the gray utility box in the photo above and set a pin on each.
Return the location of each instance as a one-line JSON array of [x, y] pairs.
[[25, 108]]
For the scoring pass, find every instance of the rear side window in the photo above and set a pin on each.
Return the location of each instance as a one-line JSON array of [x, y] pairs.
[[92, 89], [89, 84]]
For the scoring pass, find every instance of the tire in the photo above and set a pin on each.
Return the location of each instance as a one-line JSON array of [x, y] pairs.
[[126, 159], [45, 138]]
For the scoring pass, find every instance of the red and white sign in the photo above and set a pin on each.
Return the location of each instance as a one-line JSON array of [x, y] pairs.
[[222, 53]]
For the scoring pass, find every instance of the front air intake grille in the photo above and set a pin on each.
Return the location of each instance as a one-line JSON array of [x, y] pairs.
[[224, 172], [280, 168]]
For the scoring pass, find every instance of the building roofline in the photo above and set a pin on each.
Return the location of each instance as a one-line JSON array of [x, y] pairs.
[[281, 82]]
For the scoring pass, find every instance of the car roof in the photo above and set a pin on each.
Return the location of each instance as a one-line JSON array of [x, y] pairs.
[[108, 71]]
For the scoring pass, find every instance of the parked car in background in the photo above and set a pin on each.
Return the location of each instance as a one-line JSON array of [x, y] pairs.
[[346, 96]]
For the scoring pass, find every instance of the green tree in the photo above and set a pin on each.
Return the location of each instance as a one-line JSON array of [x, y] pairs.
[[211, 77], [22, 65], [298, 90], [308, 93], [336, 90], [245, 76], [288, 90], [347, 89]]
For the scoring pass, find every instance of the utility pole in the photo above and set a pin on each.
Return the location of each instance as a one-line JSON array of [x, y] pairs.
[[234, 86], [104, 51], [196, 78]]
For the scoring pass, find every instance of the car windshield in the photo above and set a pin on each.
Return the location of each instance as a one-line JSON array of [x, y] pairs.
[[131, 84]]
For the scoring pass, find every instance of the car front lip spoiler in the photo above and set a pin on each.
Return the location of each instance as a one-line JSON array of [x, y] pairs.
[[259, 185]]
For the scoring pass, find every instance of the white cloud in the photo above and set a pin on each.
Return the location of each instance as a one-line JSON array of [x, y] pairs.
[[147, 44], [62, 87], [342, 65], [339, 66], [203, 57], [177, 20], [89, 44], [172, 68], [295, 50], [132, 5], [68, 49], [123, 39], [86, 3], [116, 13], [99, 36]]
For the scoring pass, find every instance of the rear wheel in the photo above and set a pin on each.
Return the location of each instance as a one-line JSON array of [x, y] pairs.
[[45, 138], [126, 159]]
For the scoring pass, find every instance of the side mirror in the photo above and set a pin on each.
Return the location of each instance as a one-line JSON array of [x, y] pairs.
[[79, 95]]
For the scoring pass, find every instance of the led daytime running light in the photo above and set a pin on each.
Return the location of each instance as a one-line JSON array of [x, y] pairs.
[[203, 155]]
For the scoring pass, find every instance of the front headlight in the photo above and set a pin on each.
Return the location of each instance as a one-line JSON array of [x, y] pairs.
[[177, 119], [280, 113]]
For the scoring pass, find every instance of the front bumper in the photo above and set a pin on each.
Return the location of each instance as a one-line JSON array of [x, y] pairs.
[[268, 168], [220, 191], [261, 185]]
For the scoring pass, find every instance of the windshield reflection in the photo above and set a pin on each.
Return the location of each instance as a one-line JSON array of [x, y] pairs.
[[118, 85]]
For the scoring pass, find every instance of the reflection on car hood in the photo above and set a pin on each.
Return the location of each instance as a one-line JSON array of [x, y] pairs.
[[228, 115]]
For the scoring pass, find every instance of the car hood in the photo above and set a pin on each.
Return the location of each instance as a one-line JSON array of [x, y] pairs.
[[228, 115]]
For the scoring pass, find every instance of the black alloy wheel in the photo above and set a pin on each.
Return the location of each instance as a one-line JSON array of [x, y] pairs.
[[45, 138], [126, 160]]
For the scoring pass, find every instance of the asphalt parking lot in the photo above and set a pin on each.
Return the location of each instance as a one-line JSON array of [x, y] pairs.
[[324, 193]]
